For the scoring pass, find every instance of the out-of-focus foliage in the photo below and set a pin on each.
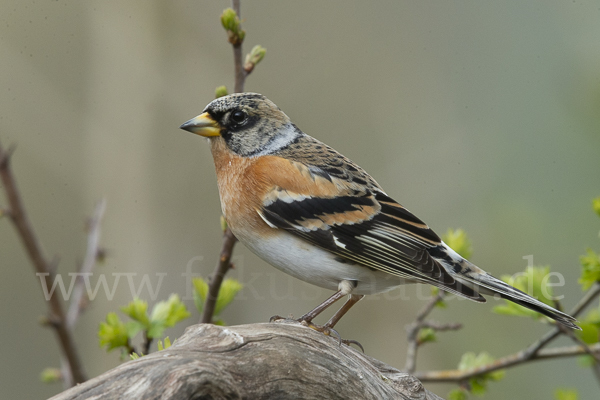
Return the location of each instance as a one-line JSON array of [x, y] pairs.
[[565, 394], [478, 384], [114, 333], [590, 269], [232, 24], [458, 240], [229, 289], [535, 282]]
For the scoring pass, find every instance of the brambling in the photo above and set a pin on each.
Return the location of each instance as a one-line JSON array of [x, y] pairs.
[[314, 214]]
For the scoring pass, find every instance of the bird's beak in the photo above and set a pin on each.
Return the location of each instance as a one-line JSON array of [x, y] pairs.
[[202, 125]]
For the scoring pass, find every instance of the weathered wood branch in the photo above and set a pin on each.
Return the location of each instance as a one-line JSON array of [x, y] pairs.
[[283, 360]]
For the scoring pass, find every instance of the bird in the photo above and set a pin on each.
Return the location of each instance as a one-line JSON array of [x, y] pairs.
[[316, 215]]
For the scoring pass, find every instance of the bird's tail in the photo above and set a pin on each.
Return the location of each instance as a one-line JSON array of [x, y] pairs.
[[487, 284], [467, 274]]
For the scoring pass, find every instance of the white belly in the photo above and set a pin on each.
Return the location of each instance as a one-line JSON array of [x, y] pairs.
[[311, 264]]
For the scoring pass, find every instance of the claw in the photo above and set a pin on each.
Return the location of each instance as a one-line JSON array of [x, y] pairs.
[[276, 318], [348, 342], [324, 329], [336, 333]]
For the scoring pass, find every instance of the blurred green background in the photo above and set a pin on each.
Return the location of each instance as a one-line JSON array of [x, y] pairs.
[[479, 115]]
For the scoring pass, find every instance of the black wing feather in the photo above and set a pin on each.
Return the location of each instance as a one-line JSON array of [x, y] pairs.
[[393, 240]]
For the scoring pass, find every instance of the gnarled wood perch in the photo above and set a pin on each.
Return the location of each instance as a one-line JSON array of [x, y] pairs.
[[283, 360]]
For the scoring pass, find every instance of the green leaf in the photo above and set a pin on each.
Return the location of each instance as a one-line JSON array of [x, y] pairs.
[[200, 293], [167, 344], [112, 333], [565, 394], [590, 272], [458, 394], [586, 361], [254, 57], [135, 356], [458, 241], [220, 92], [440, 303], [596, 205], [229, 289], [231, 23], [227, 293], [166, 314], [133, 328], [590, 327], [479, 383], [170, 312], [51, 375], [229, 19], [426, 335], [478, 386], [533, 282], [137, 310], [589, 333]]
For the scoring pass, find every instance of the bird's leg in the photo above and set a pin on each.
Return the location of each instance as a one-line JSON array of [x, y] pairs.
[[344, 288], [309, 316], [352, 300]]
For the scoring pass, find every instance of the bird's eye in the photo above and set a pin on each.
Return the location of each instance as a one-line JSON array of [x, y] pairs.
[[238, 116]]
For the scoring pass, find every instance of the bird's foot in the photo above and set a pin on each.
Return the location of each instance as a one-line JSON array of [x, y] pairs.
[[324, 329], [329, 331]]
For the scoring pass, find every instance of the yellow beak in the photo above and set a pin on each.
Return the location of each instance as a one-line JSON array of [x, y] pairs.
[[202, 125]]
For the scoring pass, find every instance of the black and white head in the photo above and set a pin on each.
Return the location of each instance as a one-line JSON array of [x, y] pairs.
[[249, 123]]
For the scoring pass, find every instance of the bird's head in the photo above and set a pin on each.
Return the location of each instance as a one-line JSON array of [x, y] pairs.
[[249, 123]]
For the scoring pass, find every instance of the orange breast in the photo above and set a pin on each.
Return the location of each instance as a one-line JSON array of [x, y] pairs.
[[244, 183]]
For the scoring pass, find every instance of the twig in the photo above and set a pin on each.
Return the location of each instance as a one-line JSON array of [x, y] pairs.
[[586, 299], [229, 239], [413, 333], [21, 222], [589, 296], [91, 255], [216, 279], [504, 362], [240, 73], [596, 357], [571, 335], [534, 352], [436, 326], [146, 344]]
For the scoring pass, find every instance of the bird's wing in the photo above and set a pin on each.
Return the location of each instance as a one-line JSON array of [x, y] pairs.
[[356, 223]]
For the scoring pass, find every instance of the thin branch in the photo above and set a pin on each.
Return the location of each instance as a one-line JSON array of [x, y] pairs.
[[586, 299], [21, 222], [580, 342], [91, 255], [534, 352], [504, 362], [413, 333], [229, 240], [216, 279], [240, 73], [589, 296], [439, 327], [596, 357], [146, 344]]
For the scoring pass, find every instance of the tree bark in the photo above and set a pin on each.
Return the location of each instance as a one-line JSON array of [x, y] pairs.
[[282, 360]]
